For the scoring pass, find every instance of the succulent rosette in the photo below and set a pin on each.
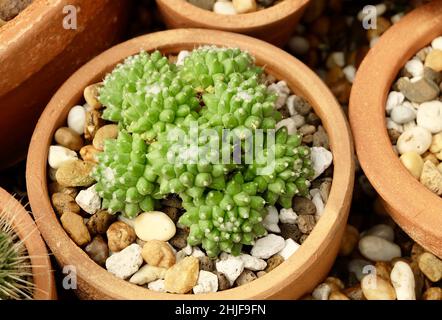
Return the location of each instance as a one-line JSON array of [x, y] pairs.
[[206, 130]]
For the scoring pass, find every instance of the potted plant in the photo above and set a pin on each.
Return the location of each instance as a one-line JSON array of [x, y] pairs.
[[72, 32], [274, 24], [25, 268], [412, 205], [300, 272]]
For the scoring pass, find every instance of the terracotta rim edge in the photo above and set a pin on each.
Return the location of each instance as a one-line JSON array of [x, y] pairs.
[[420, 218], [27, 231], [336, 211], [230, 22]]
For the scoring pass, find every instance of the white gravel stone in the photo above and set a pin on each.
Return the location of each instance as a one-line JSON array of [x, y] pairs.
[[298, 45], [253, 263], [429, 116], [393, 125], [185, 252], [378, 249], [288, 216], [291, 105], [409, 125], [282, 91], [338, 58], [224, 7], [290, 248], [267, 246], [59, 155], [415, 67], [207, 282], [402, 278], [181, 57], [271, 220], [230, 266], [299, 120], [350, 73], [147, 274], [157, 285], [125, 263], [317, 201], [321, 292], [437, 43], [289, 123], [154, 225], [382, 231], [415, 139], [402, 114], [197, 253], [89, 200], [322, 159], [77, 119], [394, 99], [397, 17]]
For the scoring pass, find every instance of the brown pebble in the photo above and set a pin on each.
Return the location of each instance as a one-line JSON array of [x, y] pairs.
[[354, 293], [93, 123], [433, 293], [91, 95], [98, 250], [261, 273], [55, 187], [119, 236], [63, 203], [109, 131], [431, 266], [349, 240], [75, 173], [291, 231], [320, 138], [207, 264], [100, 222], [68, 138], [273, 262], [172, 213], [76, 229], [336, 295], [179, 240], [172, 201], [223, 282], [303, 206], [89, 153], [245, 277], [306, 223], [158, 253]]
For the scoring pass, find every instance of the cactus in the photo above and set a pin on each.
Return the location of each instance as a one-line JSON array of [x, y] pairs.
[[157, 103], [15, 269]]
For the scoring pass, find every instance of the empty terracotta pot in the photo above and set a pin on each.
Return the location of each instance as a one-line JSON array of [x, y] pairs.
[[27, 231], [302, 272], [274, 24], [37, 54], [416, 209]]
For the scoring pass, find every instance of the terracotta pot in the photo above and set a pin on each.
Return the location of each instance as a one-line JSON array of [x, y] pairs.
[[416, 209], [27, 231], [37, 55], [274, 24], [292, 279]]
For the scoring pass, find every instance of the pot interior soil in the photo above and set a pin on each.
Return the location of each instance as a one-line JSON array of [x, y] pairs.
[[245, 240]]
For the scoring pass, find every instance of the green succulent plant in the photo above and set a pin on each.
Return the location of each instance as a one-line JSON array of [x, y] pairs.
[[15, 268], [157, 105]]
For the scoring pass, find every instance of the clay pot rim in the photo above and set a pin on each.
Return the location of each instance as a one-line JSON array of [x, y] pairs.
[[239, 22], [419, 216], [27, 231], [336, 210]]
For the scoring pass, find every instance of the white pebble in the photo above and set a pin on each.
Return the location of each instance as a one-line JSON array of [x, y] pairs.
[[288, 216], [393, 125], [397, 17], [291, 105], [59, 155], [253, 263], [402, 114], [181, 57], [402, 278], [271, 220], [350, 73], [197, 253], [394, 99], [281, 90], [298, 45], [437, 43], [224, 7], [230, 266], [266, 247], [289, 123], [89, 200], [322, 159], [77, 119], [147, 274], [415, 139], [321, 292], [382, 231], [373, 41], [338, 58], [290, 248], [157, 286], [409, 125], [317, 201], [207, 282], [126, 262], [378, 249], [154, 225], [429, 116], [185, 252], [299, 120], [415, 67]]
